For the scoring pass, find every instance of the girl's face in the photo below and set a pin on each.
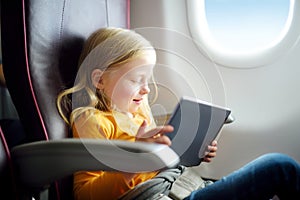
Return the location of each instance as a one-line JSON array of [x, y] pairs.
[[127, 87]]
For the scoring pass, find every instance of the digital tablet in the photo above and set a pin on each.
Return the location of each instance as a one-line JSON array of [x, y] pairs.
[[196, 124]]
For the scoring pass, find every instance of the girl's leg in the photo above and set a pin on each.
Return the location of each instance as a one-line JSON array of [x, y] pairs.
[[270, 174]]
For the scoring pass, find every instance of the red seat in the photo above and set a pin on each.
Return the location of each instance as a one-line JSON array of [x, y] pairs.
[[41, 42]]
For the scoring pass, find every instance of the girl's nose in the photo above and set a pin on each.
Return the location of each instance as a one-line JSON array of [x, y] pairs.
[[145, 89]]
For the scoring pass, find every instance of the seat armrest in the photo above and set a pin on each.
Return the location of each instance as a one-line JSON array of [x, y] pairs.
[[41, 163]]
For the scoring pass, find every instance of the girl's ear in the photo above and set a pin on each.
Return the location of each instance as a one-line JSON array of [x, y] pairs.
[[97, 78]]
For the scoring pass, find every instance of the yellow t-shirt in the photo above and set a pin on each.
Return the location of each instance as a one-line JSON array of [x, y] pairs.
[[106, 125]]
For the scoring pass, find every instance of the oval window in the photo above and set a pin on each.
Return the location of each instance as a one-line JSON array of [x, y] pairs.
[[247, 25], [244, 33]]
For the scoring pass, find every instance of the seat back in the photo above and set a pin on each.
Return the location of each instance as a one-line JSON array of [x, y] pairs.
[[41, 43]]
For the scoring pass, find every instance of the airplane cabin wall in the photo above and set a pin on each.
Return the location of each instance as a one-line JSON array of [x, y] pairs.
[[264, 100]]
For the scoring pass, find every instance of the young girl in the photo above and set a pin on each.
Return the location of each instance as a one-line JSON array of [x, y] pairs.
[[110, 101]]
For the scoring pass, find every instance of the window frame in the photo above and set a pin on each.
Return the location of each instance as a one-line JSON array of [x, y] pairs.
[[257, 58]]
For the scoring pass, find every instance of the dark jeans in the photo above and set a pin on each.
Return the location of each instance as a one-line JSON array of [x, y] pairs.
[[269, 175]]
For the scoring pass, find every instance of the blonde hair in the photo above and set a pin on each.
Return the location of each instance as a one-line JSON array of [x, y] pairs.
[[106, 49]]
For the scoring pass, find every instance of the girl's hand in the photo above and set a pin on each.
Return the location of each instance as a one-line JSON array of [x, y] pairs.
[[155, 135], [212, 151]]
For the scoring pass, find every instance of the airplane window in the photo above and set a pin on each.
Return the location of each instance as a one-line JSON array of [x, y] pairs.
[[248, 33], [246, 25]]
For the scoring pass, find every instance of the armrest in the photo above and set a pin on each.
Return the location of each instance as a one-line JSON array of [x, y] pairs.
[[40, 163]]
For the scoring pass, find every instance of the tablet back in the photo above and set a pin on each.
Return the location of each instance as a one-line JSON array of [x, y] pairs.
[[196, 124]]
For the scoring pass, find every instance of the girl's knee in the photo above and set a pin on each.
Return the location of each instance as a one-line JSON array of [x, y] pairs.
[[280, 159]]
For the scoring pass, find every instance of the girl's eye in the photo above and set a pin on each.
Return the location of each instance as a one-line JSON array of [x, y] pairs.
[[136, 81], [139, 80]]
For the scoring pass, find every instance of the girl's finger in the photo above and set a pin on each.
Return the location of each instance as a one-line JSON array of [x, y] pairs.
[[141, 130], [159, 130]]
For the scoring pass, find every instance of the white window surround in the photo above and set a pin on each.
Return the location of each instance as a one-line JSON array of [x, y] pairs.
[[200, 34]]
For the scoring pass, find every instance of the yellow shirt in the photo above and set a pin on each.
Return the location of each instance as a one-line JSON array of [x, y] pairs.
[[106, 125]]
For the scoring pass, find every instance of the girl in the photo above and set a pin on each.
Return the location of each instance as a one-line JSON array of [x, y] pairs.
[[110, 101]]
